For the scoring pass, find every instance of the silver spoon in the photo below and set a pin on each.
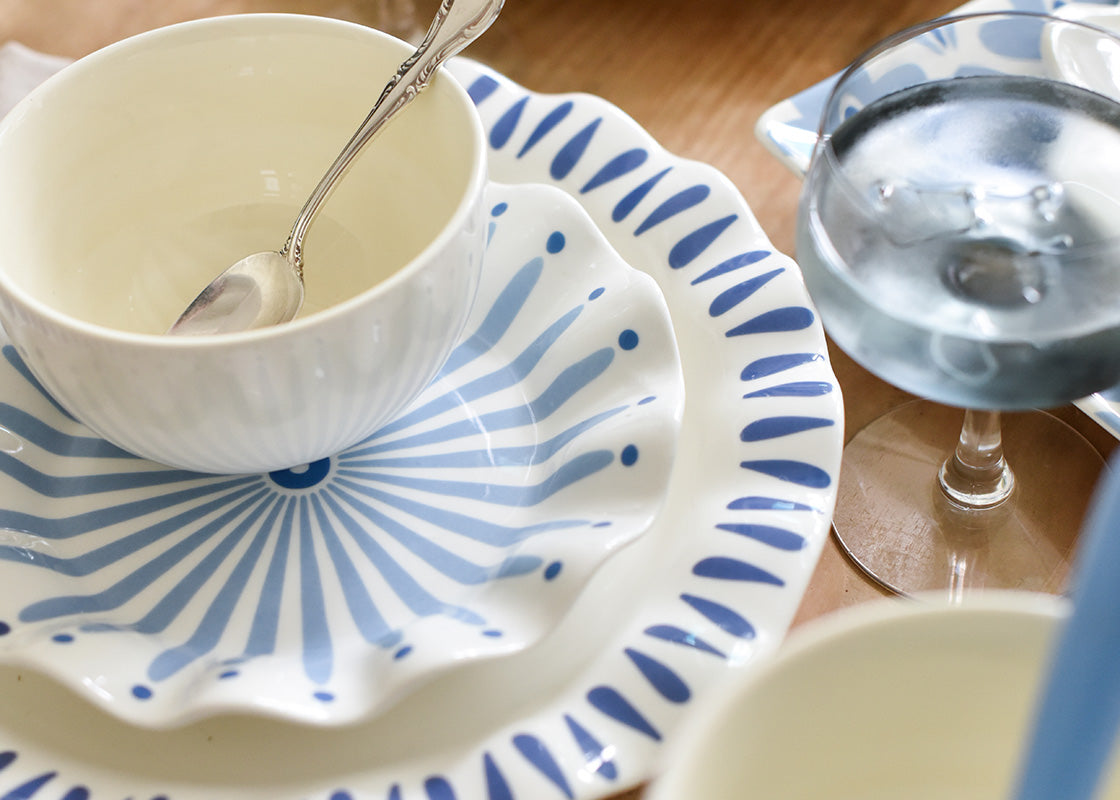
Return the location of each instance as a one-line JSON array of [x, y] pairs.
[[267, 288]]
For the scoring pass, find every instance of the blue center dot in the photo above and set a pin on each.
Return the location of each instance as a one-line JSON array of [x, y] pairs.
[[5, 628], [62, 638], [646, 400], [597, 293], [493, 633], [141, 692], [555, 243], [302, 477], [499, 209], [323, 697], [403, 652], [227, 674], [629, 455], [628, 339]]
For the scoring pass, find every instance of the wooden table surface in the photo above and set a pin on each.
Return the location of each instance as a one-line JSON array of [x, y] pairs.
[[696, 74]]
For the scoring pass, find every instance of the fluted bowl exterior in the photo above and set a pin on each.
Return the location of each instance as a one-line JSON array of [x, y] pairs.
[[260, 400]]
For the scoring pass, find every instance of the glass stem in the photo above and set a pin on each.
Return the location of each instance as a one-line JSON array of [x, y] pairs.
[[976, 476]]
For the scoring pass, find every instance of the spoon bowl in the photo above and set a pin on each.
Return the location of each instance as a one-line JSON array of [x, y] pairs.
[[258, 291]]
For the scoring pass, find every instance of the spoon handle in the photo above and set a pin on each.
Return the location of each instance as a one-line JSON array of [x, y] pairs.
[[456, 24], [1076, 721]]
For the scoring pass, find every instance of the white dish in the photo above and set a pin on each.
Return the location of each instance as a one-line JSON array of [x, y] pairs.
[[463, 529], [710, 587], [788, 131]]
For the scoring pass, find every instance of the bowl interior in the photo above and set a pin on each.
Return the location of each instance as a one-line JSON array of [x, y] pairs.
[[920, 703], [135, 176]]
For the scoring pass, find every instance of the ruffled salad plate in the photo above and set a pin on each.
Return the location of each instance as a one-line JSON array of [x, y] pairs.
[[788, 129], [464, 529], [703, 591]]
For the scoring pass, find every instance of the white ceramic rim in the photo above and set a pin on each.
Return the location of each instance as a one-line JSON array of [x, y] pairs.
[[469, 198], [687, 745]]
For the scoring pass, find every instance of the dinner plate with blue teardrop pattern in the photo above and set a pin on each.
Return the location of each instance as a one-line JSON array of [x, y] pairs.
[[709, 587], [788, 130]]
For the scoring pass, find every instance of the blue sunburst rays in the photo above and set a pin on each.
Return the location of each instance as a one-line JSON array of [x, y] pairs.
[[411, 524]]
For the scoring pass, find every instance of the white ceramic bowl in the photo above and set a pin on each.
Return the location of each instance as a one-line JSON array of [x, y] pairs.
[[885, 701], [132, 177]]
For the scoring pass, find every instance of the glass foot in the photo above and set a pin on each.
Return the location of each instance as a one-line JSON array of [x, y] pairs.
[[895, 522]]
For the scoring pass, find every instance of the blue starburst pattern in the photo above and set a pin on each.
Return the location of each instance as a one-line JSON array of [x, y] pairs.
[[321, 592]]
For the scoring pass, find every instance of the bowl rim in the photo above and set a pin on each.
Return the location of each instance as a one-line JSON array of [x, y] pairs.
[[230, 25], [687, 747]]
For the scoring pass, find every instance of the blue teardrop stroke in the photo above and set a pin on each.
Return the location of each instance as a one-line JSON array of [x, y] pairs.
[[732, 264], [771, 365], [537, 754], [482, 87], [266, 621], [407, 588], [363, 611], [671, 633], [679, 202], [777, 427], [618, 166], [439, 558], [119, 548], [318, 653], [759, 503], [570, 154], [794, 389], [732, 569], [775, 537], [79, 485], [172, 603], [496, 381], [496, 786], [525, 455], [778, 320], [52, 440], [27, 790], [667, 683], [596, 756], [151, 571], [505, 126], [690, 247], [509, 303], [792, 471], [635, 196], [474, 528], [14, 359], [545, 126], [728, 299], [438, 788], [213, 624], [726, 619], [610, 702], [577, 469], [563, 387]]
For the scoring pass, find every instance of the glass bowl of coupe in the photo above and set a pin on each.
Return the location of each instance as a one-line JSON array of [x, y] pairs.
[[958, 231]]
